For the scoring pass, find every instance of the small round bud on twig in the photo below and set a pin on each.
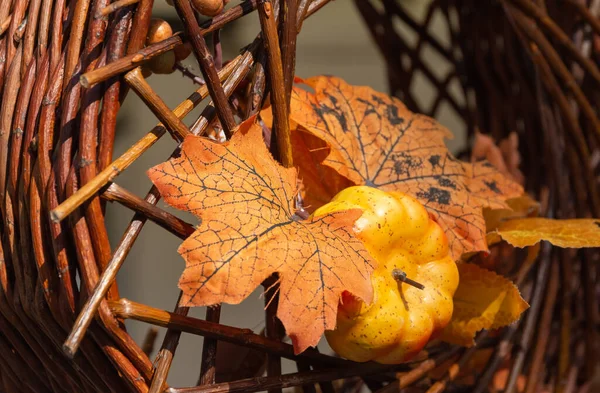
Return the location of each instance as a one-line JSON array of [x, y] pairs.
[[160, 30], [208, 7]]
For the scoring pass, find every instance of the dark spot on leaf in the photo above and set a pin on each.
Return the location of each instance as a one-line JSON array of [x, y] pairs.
[[393, 116], [492, 185], [597, 224], [435, 195], [377, 100], [434, 160], [487, 164], [370, 108], [391, 111], [403, 163], [445, 182], [323, 110]]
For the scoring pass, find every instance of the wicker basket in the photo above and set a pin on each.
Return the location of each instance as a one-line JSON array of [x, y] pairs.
[[524, 66]]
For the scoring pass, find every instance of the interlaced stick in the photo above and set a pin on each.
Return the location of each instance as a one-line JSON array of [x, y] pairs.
[[115, 6], [245, 337], [518, 67], [133, 153], [207, 66], [108, 276]]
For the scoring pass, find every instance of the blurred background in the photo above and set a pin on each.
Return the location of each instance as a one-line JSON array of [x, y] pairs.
[[334, 41]]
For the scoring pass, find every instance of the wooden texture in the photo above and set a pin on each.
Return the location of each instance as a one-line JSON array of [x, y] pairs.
[[523, 66], [281, 125], [207, 65]]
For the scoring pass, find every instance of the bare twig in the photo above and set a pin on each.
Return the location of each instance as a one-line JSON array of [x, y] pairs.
[[557, 33], [130, 310], [129, 62], [166, 353], [281, 127], [133, 153], [207, 66], [108, 276], [117, 5], [288, 44], [4, 25], [209, 350], [288, 380], [541, 344], [529, 325], [171, 223], [174, 125], [185, 70]]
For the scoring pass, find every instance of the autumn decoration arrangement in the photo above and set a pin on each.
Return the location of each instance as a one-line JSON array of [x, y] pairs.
[[384, 263], [424, 271]]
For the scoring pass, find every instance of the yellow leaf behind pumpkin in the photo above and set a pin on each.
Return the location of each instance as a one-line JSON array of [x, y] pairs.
[[483, 300], [520, 207], [573, 233]]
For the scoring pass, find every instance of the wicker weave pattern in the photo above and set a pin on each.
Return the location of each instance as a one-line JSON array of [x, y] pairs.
[[529, 66]]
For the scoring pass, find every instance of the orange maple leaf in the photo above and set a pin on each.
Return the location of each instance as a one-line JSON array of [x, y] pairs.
[[249, 230], [319, 183], [375, 140]]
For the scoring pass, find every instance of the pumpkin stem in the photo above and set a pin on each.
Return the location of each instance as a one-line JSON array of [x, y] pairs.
[[399, 275]]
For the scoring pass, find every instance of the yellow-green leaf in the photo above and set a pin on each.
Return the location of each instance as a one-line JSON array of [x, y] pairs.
[[483, 300], [574, 233]]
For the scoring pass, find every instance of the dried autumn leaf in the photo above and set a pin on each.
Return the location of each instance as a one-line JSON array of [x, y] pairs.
[[510, 151], [484, 148], [523, 206], [319, 183], [573, 233], [483, 300], [505, 156], [249, 230], [375, 140]]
